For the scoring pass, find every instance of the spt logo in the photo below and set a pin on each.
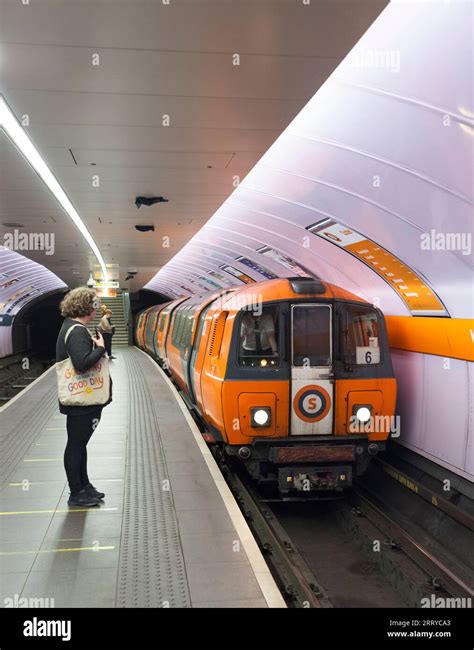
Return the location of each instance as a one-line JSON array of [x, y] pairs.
[[311, 403]]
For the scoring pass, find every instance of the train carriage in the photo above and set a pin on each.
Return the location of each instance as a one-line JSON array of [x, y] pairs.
[[293, 376], [140, 328], [150, 329]]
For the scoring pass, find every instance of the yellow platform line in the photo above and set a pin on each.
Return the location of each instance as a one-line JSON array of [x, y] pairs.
[[44, 460], [45, 512], [60, 550]]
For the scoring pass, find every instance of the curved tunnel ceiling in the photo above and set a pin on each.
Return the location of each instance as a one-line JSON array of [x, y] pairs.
[[370, 186], [21, 281]]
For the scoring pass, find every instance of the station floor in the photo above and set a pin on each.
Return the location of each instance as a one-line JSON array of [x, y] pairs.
[[169, 533]]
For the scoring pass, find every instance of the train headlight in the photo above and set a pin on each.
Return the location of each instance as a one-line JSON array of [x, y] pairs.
[[260, 416], [363, 413]]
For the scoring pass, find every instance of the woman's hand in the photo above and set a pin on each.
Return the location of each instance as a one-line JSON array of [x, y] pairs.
[[99, 339]]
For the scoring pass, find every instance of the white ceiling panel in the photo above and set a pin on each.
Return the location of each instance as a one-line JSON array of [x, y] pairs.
[[155, 60], [278, 27], [145, 72], [51, 107], [166, 140], [131, 157]]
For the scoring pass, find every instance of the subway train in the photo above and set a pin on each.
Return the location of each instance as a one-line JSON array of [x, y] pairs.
[[292, 376]]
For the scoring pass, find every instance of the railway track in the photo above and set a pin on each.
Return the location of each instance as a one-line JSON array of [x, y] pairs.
[[300, 584], [412, 512], [441, 577], [14, 377], [292, 574]]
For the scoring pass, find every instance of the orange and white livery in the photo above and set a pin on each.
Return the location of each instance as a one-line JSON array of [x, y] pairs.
[[293, 376]]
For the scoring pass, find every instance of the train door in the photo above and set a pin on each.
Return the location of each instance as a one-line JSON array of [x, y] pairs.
[[200, 331], [312, 372]]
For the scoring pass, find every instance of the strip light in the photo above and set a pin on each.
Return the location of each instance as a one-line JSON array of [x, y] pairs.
[[19, 137]]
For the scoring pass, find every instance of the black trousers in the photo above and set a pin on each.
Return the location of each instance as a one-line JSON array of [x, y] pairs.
[[79, 431], [107, 336]]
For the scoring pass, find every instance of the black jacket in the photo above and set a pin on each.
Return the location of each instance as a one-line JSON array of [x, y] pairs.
[[84, 354]]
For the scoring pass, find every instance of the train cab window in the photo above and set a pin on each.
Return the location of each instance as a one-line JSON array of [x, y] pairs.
[[362, 340], [311, 335], [258, 338]]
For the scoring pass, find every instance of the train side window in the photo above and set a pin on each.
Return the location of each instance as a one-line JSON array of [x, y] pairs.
[[181, 325], [185, 341], [162, 320], [183, 328], [177, 327], [311, 335], [361, 336], [258, 338]]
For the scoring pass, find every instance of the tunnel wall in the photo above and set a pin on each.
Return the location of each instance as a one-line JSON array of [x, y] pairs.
[[21, 281], [370, 188]]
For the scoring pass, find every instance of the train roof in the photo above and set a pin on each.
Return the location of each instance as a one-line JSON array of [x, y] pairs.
[[296, 288]]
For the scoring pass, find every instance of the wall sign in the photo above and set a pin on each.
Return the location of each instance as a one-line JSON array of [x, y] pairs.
[[418, 296]]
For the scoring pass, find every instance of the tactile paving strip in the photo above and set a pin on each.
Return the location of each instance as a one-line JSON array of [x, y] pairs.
[[151, 565], [23, 421]]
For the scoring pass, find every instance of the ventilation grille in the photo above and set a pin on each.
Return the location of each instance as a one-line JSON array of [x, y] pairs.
[[213, 336]]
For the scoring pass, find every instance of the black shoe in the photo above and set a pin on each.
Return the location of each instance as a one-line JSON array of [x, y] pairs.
[[112, 357], [91, 491], [83, 500]]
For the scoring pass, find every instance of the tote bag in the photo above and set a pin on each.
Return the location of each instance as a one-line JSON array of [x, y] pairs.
[[89, 388]]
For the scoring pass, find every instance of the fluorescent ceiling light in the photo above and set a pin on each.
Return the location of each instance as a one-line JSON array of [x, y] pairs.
[[19, 137]]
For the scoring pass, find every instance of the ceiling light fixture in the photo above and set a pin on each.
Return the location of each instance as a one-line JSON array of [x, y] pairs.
[[23, 143]]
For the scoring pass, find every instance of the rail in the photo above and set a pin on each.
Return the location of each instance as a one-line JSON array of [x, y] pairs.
[[440, 574]]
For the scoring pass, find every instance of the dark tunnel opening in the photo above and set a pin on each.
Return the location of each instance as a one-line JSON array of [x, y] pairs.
[[35, 328], [144, 298]]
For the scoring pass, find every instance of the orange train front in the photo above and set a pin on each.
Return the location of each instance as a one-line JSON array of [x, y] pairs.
[[293, 376]]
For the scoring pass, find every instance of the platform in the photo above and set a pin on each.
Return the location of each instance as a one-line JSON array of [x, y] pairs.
[[169, 533]]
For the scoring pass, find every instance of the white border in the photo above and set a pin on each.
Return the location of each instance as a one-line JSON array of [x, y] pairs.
[[267, 584], [26, 389]]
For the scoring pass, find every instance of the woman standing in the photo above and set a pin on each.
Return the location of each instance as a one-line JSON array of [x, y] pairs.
[[75, 341], [107, 330]]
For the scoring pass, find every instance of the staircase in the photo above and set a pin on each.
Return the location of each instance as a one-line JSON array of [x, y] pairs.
[[119, 320]]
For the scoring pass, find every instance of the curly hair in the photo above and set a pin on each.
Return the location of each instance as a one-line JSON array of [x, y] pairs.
[[79, 302]]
